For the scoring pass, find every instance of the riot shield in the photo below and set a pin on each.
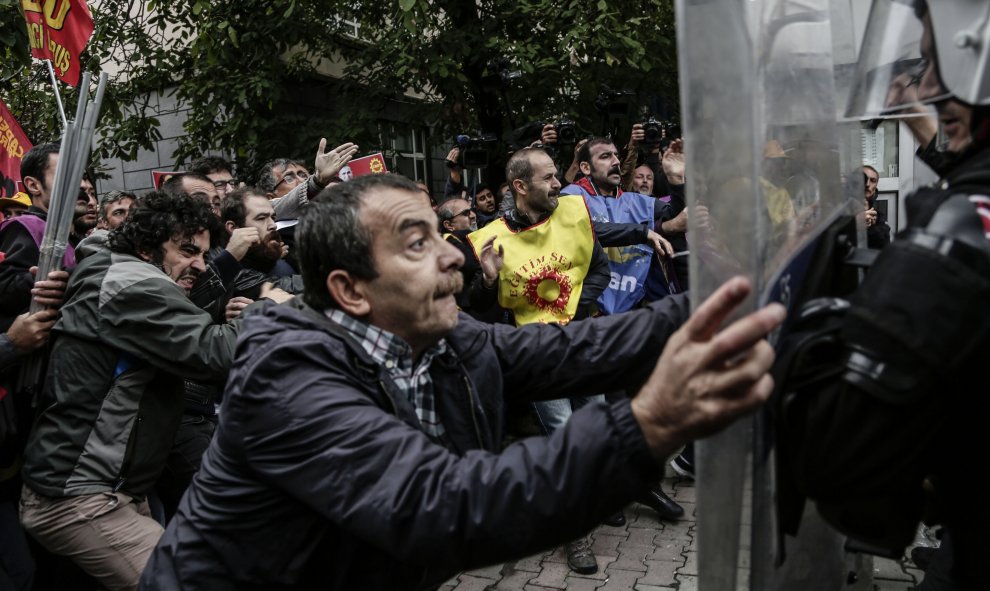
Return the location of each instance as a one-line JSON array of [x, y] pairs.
[[767, 158]]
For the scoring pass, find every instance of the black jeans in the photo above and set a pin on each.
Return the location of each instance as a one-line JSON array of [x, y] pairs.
[[191, 440]]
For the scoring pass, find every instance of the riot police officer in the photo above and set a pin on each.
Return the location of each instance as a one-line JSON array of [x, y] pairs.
[[896, 429]]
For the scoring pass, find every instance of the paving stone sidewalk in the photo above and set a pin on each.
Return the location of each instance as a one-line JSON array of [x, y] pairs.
[[644, 555]]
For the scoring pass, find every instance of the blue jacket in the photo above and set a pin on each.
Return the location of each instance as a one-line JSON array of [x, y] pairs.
[[320, 476]]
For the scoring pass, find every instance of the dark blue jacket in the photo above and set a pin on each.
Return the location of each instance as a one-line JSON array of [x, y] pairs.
[[320, 476]]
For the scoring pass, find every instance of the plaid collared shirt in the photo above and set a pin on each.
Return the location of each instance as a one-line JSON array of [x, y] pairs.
[[392, 353]]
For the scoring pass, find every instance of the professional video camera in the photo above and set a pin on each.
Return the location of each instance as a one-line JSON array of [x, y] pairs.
[[613, 103], [475, 149], [503, 68]]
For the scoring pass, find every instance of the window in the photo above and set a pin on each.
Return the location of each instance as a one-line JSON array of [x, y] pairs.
[[880, 148], [408, 155], [349, 27]]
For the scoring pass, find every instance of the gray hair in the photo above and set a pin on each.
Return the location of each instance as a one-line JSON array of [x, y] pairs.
[[108, 199], [266, 178]]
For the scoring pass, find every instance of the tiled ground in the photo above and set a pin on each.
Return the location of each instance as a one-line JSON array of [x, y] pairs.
[[644, 555]]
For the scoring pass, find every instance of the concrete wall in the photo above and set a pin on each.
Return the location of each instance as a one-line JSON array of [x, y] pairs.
[[136, 174]]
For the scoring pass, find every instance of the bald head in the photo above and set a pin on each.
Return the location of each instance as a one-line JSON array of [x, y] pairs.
[[532, 176]]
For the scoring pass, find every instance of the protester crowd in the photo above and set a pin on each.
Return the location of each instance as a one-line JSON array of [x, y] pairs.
[[156, 287]]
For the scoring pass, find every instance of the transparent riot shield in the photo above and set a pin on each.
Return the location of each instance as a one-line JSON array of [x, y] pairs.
[[768, 169]]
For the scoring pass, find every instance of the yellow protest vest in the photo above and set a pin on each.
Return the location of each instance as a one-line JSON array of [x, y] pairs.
[[545, 264]]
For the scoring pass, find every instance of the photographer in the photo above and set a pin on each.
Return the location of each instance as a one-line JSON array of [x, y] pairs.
[[482, 200], [636, 137], [454, 188], [549, 138], [651, 135]]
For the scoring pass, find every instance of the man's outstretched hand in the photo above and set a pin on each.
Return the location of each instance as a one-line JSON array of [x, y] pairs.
[[673, 162], [491, 260], [706, 378], [328, 164]]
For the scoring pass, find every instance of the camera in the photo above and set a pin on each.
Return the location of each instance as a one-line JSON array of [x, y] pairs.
[[499, 75], [614, 103], [565, 128], [475, 149], [566, 132], [653, 131]]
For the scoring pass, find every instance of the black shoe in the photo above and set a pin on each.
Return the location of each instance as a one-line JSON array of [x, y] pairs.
[[683, 466], [922, 556], [665, 506], [580, 557], [617, 520]]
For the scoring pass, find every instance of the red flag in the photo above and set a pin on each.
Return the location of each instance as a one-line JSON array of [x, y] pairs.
[[374, 164], [13, 145], [58, 31]]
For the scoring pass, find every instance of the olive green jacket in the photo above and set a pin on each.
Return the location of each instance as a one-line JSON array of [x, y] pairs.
[[126, 338]]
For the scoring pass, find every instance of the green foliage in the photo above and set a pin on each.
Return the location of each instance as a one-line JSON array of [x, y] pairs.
[[13, 34], [253, 73]]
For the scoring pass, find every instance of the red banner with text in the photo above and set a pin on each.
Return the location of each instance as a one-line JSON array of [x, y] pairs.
[[58, 31], [13, 145]]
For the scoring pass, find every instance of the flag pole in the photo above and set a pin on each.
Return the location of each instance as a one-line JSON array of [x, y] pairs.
[[58, 96], [77, 142]]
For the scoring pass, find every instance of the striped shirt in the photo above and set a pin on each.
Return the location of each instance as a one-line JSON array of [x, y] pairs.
[[395, 355]]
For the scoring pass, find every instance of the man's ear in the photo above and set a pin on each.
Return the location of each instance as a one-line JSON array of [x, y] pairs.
[[520, 187], [585, 168], [32, 186], [270, 195], [447, 226], [229, 225], [349, 293]]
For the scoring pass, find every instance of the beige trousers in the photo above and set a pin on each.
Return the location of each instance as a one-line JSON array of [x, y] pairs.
[[109, 535]]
